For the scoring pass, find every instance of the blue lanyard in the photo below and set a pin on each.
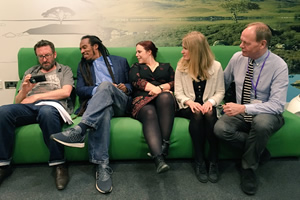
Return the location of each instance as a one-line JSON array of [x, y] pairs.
[[255, 86]]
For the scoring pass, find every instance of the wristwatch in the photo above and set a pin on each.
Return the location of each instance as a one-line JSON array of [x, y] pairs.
[[161, 87], [246, 111]]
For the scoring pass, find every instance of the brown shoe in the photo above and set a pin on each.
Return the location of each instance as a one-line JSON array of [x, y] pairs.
[[61, 176], [5, 172]]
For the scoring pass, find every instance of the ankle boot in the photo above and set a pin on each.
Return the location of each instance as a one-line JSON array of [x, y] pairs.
[[161, 165], [213, 173], [165, 147], [201, 172]]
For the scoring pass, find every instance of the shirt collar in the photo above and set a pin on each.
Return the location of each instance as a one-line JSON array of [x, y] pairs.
[[101, 59], [261, 59]]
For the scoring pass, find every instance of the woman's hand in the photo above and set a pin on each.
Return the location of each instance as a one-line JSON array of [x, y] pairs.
[[155, 91], [194, 106], [206, 107]]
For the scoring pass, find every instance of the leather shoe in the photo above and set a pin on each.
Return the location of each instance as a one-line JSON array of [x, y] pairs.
[[5, 172], [61, 176], [248, 181]]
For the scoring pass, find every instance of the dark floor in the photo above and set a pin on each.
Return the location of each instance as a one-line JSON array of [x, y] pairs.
[[278, 179]]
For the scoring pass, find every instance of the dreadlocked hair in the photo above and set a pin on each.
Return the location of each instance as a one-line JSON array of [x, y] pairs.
[[86, 65]]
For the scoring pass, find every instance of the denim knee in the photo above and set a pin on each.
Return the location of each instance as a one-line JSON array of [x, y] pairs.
[[105, 86], [48, 112]]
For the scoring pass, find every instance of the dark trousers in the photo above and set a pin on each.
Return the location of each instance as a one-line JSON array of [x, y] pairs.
[[15, 115], [250, 138]]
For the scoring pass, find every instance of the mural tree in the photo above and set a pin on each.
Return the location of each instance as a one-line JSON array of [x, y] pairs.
[[60, 13], [238, 6]]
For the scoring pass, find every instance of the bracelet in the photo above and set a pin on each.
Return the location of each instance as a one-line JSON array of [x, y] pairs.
[[161, 87]]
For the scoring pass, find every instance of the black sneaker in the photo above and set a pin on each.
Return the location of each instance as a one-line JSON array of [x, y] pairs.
[[213, 173], [248, 181], [201, 172], [103, 179], [71, 137]]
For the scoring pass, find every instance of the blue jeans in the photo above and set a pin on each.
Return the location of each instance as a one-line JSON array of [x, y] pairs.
[[250, 138], [15, 115], [108, 101]]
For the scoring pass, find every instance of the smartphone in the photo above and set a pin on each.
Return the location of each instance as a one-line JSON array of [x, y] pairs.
[[38, 78]]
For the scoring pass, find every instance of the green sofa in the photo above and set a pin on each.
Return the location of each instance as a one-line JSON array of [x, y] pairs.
[[127, 140]]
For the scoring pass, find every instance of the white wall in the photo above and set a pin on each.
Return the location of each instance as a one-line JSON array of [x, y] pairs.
[[22, 24], [116, 22]]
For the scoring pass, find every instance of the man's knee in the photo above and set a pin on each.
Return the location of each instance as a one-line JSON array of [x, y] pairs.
[[265, 123], [219, 129], [6, 109], [48, 111], [223, 130], [105, 86]]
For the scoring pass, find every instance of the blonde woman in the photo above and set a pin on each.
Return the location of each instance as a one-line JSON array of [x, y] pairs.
[[199, 88]]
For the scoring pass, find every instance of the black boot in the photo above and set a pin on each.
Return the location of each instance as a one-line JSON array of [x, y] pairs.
[[201, 172], [161, 165], [213, 173], [165, 147]]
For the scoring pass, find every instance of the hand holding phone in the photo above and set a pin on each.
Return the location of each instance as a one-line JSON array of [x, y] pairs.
[[38, 78]]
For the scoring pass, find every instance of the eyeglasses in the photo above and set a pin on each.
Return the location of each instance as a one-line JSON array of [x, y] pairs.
[[47, 56]]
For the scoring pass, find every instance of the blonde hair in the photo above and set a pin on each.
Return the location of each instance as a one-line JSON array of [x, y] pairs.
[[201, 56]]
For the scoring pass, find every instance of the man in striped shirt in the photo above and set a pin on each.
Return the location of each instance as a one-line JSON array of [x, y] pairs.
[[261, 83]]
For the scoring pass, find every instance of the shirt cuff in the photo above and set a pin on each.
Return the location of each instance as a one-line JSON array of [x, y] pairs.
[[94, 90], [213, 102]]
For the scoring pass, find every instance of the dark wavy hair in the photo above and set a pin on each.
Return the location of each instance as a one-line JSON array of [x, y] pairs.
[[149, 45], [43, 43]]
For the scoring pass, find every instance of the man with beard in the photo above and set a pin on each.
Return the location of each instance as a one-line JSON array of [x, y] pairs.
[[103, 88], [56, 89]]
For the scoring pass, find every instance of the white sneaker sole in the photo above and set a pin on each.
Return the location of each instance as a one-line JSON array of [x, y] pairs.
[[78, 145], [103, 192]]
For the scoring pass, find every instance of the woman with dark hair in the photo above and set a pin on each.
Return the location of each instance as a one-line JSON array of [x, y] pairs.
[[199, 88], [153, 102]]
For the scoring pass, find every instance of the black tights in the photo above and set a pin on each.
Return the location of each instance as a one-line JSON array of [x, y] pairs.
[[157, 118], [202, 127]]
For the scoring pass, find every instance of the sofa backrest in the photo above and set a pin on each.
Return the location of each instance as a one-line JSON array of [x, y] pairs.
[[71, 56]]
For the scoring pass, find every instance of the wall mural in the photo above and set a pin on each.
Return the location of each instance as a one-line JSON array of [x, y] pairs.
[[124, 22]]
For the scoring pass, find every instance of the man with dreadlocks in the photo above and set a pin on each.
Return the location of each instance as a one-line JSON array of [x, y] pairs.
[[103, 88]]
